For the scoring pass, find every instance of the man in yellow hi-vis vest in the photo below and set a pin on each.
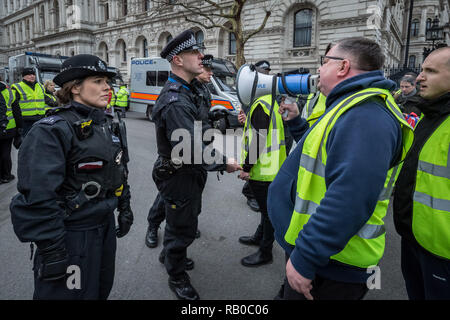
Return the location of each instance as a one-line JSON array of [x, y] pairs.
[[263, 152], [10, 129], [31, 97], [328, 201], [122, 99], [422, 193]]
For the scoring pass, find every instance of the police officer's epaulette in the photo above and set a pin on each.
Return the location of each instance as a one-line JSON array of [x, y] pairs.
[[53, 111], [51, 119]]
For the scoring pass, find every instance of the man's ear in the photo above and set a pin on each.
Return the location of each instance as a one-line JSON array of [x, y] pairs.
[[344, 68], [177, 60]]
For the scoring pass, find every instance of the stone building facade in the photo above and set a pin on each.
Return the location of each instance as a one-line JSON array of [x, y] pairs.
[[295, 35]]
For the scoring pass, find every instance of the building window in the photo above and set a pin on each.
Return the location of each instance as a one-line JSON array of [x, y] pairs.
[[302, 28], [106, 11], [145, 47], [412, 62], [169, 37], [56, 13], [199, 37], [124, 7], [147, 5], [232, 44], [429, 24], [415, 28], [124, 52]]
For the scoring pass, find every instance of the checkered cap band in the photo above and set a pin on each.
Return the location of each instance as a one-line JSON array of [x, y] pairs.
[[182, 46]]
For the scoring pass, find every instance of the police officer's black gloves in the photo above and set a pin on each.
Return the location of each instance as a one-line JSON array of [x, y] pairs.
[[125, 220], [217, 115], [17, 141], [52, 263], [3, 126]]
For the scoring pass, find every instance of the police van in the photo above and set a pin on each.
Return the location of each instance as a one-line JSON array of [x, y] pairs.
[[148, 76]]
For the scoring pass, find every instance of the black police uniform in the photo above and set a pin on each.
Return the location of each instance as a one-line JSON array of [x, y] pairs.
[[177, 107], [68, 190], [156, 214]]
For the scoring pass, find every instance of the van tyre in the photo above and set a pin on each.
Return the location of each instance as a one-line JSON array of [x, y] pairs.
[[149, 112]]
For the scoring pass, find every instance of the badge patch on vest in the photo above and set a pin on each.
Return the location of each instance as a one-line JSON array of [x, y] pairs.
[[115, 139], [90, 166]]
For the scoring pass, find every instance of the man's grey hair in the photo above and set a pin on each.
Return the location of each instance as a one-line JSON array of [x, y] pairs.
[[408, 79]]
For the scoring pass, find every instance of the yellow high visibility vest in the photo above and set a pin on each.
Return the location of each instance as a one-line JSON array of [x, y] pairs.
[[122, 97], [314, 107], [366, 248], [431, 200], [9, 97], [31, 102], [269, 162]]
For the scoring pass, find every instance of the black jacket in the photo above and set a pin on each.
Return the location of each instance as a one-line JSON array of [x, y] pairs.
[[435, 112], [179, 106], [410, 104], [53, 164]]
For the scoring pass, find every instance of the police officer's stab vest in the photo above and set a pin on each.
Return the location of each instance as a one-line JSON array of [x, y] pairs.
[[31, 102], [431, 200], [314, 107], [366, 248], [122, 97], [272, 157], [9, 97], [98, 158]]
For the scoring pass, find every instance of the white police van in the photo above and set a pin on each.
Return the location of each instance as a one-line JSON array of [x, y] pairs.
[[148, 76]]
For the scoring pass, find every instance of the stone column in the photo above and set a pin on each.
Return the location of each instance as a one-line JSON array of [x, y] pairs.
[[423, 22]]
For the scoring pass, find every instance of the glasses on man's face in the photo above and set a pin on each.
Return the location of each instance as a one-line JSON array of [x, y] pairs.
[[322, 59]]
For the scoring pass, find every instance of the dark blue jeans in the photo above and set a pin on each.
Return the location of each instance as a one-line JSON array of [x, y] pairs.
[[427, 277]]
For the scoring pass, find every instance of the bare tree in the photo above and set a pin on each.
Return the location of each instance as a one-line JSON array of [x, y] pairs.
[[226, 15]]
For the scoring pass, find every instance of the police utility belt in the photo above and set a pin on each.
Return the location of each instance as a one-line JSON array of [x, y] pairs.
[[165, 168]]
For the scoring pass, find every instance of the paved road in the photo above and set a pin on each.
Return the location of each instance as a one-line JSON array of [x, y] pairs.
[[218, 274]]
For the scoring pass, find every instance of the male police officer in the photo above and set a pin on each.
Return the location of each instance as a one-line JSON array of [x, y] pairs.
[[181, 183], [157, 214], [122, 99], [32, 99]]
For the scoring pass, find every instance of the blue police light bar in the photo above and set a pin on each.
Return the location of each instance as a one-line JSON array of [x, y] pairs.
[[36, 54]]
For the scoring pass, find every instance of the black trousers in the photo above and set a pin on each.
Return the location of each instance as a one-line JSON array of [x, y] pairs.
[[426, 277], [182, 195], [93, 251], [260, 190], [327, 289], [157, 212], [5, 158]]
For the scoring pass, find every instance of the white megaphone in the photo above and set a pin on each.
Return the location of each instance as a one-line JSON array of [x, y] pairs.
[[250, 84]]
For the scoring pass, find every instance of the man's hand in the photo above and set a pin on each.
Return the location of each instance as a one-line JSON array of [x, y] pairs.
[[244, 175], [298, 282], [232, 165], [292, 109], [242, 117]]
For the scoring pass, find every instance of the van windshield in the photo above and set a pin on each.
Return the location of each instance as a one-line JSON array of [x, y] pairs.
[[47, 75], [226, 82]]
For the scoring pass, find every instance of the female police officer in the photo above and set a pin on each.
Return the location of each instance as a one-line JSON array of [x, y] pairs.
[[72, 175]]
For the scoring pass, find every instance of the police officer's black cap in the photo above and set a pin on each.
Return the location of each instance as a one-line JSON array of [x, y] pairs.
[[80, 67], [184, 41], [207, 60], [263, 64], [27, 71]]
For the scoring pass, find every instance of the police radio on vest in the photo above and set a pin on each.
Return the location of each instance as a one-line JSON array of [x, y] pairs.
[[249, 80]]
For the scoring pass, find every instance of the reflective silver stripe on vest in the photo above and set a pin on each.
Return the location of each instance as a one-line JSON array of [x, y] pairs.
[[11, 97], [387, 192], [24, 95], [371, 231], [429, 201], [311, 104], [434, 169], [313, 166], [305, 206]]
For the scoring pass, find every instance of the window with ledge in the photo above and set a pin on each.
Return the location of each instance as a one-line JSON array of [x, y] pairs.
[[232, 43], [415, 28], [412, 62], [199, 37], [302, 28]]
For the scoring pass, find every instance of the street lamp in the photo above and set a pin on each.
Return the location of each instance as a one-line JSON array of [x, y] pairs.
[[433, 33]]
